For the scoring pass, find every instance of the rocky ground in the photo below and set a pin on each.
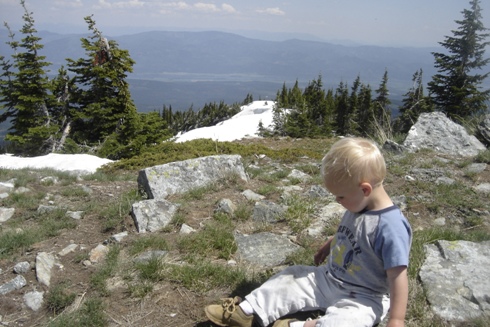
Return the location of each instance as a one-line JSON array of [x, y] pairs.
[[171, 304]]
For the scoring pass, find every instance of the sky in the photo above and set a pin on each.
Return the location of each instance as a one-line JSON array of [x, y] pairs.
[[375, 22], [243, 124]]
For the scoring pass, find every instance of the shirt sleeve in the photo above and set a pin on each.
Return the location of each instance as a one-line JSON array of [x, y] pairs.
[[393, 239]]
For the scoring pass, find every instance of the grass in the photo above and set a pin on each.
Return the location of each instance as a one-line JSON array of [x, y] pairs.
[[91, 314], [59, 297], [215, 239], [105, 271]]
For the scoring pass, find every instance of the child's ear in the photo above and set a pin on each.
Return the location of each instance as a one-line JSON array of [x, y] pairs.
[[366, 188]]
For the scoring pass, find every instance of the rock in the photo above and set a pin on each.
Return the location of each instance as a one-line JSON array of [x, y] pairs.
[[6, 187], [15, 284], [299, 175], [264, 249], [484, 129], [179, 177], [152, 215], [118, 237], [267, 211], [70, 248], [476, 168], [22, 267], [252, 196], [317, 191], [6, 214], [445, 181], [147, 256], [42, 209], [436, 131], [482, 188], [75, 214], [226, 206], [98, 253], [50, 180], [44, 264], [34, 300], [328, 213], [186, 229], [393, 147], [22, 190], [456, 278]]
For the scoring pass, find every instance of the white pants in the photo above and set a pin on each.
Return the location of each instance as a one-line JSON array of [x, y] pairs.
[[308, 288]]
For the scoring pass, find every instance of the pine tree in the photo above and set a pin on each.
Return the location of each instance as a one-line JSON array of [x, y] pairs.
[[342, 108], [107, 114], [456, 87], [353, 122], [382, 111], [414, 103], [25, 93], [316, 106], [366, 111]]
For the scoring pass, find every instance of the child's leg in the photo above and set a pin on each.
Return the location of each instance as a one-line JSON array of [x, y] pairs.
[[297, 288], [361, 311]]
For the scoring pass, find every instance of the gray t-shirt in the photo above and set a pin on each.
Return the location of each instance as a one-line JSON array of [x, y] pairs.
[[366, 245]]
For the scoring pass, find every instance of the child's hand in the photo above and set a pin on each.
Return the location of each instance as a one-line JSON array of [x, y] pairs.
[[320, 256], [322, 252]]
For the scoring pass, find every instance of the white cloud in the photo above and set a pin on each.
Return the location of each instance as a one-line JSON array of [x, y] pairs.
[[69, 4], [271, 11], [228, 8], [206, 7], [199, 7], [120, 4]]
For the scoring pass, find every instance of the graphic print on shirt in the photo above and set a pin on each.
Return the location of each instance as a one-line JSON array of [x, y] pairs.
[[344, 250]]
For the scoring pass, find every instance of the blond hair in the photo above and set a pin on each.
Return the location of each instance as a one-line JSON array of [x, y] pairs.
[[354, 160]]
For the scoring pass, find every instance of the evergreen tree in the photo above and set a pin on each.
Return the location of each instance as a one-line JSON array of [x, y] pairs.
[[342, 108], [414, 103], [279, 115], [352, 125], [25, 93], [316, 107], [107, 113], [366, 111], [456, 87], [297, 122], [248, 99], [382, 111]]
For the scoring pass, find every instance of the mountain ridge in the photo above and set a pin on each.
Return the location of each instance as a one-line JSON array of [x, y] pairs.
[[222, 57]]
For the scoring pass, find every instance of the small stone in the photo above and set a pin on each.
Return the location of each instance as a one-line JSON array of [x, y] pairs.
[[74, 214], [440, 221], [186, 229], [34, 300], [99, 253], [15, 284], [22, 267], [6, 214], [44, 264], [70, 248]]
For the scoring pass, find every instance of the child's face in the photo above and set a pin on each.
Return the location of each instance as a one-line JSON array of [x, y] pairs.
[[353, 198]]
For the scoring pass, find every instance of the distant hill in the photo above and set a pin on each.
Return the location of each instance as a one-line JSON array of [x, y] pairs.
[[185, 68]]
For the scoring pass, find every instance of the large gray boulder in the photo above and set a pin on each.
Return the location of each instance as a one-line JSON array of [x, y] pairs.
[[456, 278], [436, 131], [179, 177]]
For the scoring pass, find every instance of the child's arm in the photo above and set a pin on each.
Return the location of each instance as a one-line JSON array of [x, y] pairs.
[[397, 277], [323, 252]]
